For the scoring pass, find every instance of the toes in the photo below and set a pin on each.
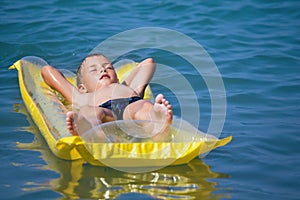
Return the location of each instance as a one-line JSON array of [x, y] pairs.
[[163, 106], [166, 103], [159, 98], [71, 126]]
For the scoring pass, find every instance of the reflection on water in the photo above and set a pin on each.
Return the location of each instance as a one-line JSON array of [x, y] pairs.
[[79, 180]]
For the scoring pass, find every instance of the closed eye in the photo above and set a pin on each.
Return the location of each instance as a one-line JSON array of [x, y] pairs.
[[93, 68], [108, 66]]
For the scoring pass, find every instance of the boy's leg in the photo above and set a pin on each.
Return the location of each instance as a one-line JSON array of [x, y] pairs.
[[87, 118], [160, 113]]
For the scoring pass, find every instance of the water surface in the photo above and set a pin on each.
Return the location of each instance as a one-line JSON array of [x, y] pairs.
[[255, 45]]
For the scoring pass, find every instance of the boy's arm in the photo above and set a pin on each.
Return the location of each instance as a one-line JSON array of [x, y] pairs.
[[140, 77], [57, 81]]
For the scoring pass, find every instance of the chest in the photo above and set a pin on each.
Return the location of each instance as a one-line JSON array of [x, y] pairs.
[[113, 91]]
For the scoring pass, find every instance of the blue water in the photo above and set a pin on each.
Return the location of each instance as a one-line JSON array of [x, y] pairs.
[[255, 45]]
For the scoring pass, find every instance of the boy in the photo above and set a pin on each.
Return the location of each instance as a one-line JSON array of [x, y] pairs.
[[101, 98]]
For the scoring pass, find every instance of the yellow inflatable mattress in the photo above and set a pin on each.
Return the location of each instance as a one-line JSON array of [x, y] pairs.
[[47, 109]]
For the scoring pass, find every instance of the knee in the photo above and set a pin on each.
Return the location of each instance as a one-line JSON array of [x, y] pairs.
[[48, 72], [149, 60]]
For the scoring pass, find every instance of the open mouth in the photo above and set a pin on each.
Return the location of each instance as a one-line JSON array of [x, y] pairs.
[[104, 76]]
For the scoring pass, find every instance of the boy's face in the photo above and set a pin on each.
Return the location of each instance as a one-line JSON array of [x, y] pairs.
[[97, 71]]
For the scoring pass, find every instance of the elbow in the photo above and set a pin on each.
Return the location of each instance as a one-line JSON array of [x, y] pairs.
[[46, 71], [50, 74], [150, 63]]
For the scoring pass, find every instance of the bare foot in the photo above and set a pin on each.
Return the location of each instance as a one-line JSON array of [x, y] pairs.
[[77, 124], [70, 121], [162, 114]]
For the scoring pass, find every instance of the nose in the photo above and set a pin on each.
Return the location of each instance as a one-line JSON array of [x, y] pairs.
[[103, 69]]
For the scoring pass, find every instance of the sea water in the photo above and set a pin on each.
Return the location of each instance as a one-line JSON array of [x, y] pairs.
[[255, 46]]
